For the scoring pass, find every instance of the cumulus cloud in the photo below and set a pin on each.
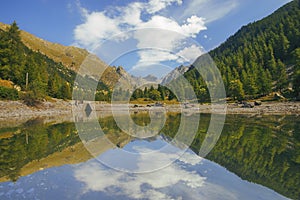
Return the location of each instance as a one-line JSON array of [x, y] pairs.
[[96, 28], [165, 33], [154, 31], [189, 54], [131, 14]]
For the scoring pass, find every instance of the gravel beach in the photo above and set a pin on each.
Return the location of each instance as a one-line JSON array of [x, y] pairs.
[[11, 110]]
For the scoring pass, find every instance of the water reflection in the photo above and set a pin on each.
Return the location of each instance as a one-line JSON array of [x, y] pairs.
[[188, 178], [48, 161]]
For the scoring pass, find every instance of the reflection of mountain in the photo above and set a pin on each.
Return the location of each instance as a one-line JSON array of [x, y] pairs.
[[189, 177], [262, 150], [34, 146]]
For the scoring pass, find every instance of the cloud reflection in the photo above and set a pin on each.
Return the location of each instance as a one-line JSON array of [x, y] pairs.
[[153, 185], [190, 177]]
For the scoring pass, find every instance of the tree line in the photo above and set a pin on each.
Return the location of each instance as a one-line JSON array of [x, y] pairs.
[[261, 57]]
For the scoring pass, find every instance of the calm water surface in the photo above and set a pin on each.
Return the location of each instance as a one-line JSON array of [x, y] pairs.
[[256, 157]]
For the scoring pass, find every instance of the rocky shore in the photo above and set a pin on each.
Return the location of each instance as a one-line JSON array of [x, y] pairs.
[[11, 110]]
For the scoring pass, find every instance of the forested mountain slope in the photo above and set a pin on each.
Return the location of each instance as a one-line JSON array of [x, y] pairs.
[[262, 57], [45, 77], [69, 56]]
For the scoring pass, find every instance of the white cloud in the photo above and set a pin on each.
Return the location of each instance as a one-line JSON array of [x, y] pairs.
[[155, 56], [166, 34], [193, 26], [96, 28], [131, 14], [158, 5], [155, 31], [189, 54], [211, 10]]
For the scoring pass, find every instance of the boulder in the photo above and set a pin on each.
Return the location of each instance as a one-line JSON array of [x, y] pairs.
[[257, 103], [247, 105]]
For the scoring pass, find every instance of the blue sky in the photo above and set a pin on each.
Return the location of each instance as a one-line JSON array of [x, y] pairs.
[[170, 32]]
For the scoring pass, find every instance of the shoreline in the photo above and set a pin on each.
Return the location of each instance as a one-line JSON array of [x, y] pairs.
[[58, 108]]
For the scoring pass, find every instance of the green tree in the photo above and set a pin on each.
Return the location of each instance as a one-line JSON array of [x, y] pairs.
[[161, 89], [249, 84], [264, 82], [65, 91], [296, 76], [282, 79], [236, 90], [202, 94], [14, 33], [296, 84], [138, 93], [146, 92], [155, 95]]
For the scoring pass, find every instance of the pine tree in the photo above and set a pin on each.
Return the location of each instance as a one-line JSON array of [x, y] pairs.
[[282, 80], [236, 90], [161, 89], [264, 82], [155, 95], [65, 91], [296, 84], [146, 93], [14, 34]]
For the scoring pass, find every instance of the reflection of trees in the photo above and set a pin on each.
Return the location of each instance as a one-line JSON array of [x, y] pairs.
[[42, 140], [262, 150]]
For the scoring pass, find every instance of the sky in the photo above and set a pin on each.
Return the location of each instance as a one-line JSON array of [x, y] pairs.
[[145, 37]]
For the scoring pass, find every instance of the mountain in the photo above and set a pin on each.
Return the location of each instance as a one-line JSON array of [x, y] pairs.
[[38, 68], [174, 74], [128, 81], [52, 69], [69, 56], [262, 57], [72, 58], [150, 78]]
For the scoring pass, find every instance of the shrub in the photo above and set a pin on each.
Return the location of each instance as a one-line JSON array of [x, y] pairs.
[[30, 99], [8, 93]]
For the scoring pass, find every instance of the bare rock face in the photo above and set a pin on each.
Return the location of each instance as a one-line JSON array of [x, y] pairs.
[[174, 74], [128, 81], [150, 78]]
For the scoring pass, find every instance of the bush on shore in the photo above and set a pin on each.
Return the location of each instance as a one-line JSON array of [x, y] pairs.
[[8, 93]]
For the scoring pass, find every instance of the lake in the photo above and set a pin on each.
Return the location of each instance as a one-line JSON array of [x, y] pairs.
[[255, 157]]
